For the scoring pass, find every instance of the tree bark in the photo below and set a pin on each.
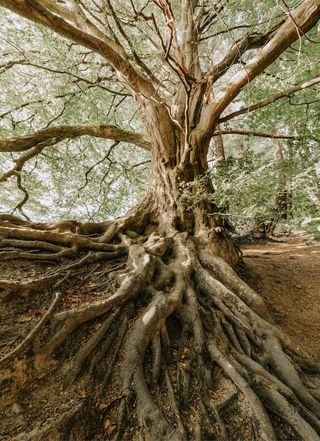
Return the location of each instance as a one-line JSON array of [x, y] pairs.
[[139, 328], [219, 152]]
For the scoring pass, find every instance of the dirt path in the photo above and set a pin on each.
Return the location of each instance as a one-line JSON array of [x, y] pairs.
[[287, 275]]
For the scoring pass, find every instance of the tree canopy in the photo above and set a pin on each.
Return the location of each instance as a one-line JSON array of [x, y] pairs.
[[147, 332], [63, 94]]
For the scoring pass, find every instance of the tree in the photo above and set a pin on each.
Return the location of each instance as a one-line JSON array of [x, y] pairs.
[[192, 341]]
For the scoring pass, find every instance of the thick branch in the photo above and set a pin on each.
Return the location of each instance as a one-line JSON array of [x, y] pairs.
[[57, 134], [285, 93], [301, 20], [233, 56], [34, 11], [77, 18]]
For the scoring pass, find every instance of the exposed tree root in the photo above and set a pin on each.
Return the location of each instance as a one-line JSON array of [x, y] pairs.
[[7, 358], [38, 434], [90, 345], [170, 340]]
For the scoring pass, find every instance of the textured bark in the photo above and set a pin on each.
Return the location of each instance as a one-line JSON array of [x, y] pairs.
[[164, 342], [57, 134], [219, 152], [140, 328]]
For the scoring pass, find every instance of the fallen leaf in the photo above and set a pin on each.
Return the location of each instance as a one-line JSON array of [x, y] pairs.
[[184, 366], [109, 427], [101, 406], [25, 318], [82, 394]]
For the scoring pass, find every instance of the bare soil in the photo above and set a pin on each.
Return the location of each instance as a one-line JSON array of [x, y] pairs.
[[287, 275]]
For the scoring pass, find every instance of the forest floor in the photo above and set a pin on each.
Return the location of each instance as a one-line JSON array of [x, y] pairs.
[[287, 275]]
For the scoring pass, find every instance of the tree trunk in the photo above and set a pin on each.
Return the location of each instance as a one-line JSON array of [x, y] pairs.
[[283, 204], [139, 328], [146, 332], [219, 152], [283, 200]]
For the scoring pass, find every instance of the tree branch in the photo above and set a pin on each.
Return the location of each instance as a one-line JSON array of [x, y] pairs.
[[77, 18], [75, 77], [286, 93], [19, 162], [33, 10], [253, 133], [301, 20], [53, 135], [136, 57], [233, 56]]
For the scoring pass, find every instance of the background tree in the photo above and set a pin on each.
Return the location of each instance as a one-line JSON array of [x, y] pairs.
[[191, 340]]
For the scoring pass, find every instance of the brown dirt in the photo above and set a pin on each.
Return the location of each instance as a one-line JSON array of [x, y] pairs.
[[287, 275]]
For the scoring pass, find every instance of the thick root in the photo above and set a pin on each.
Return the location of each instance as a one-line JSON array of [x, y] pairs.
[[166, 342]]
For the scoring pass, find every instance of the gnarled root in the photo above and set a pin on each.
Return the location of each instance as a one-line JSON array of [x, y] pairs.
[[167, 344]]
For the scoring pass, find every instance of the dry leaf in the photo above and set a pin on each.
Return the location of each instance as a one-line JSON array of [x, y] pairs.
[[109, 427], [101, 406], [82, 394], [25, 318], [184, 366]]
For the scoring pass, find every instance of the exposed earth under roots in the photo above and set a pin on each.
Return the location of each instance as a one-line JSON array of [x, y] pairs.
[[143, 337], [287, 275]]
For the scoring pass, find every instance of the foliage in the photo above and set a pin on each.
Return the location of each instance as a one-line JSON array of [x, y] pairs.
[[46, 80], [149, 332], [247, 186]]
